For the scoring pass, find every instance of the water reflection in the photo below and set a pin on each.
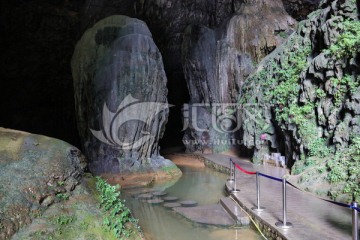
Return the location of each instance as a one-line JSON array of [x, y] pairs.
[[202, 185]]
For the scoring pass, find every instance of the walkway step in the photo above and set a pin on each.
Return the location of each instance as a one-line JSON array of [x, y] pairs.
[[234, 211]]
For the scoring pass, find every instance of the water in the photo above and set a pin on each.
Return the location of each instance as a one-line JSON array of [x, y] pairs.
[[200, 184]]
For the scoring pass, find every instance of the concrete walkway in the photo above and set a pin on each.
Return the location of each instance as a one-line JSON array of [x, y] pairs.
[[312, 218]]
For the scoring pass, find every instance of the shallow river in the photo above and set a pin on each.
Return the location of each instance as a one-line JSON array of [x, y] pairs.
[[200, 184]]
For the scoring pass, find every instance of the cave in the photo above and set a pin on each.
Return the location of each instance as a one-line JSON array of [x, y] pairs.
[[145, 93]]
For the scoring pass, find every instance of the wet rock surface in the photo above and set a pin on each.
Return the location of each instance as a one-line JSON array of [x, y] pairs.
[[172, 205], [209, 214], [121, 96], [216, 63], [188, 203], [170, 199], [35, 172]]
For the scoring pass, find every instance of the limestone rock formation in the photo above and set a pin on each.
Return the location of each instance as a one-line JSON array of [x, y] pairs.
[[167, 20], [299, 9], [304, 97], [216, 64], [44, 33], [34, 171], [120, 93]]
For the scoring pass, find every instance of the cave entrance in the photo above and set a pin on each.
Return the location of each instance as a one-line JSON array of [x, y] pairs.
[[178, 95]]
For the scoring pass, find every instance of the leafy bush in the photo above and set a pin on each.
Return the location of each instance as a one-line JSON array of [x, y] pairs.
[[345, 167], [348, 43], [63, 196], [342, 86], [64, 219], [117, 215], [318, 147]]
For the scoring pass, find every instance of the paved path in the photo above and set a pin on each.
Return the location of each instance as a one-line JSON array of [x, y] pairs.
[[312, 218]]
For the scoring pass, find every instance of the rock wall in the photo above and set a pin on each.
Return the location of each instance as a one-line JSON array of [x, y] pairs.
[[216, 64], [168, 20], [120, 94], [35, 171], [40, 37], [304, 97], [299, 9]]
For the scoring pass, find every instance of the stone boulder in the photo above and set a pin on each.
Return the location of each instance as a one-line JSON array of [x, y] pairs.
[[35, 172], [121, 96], [216, 64]]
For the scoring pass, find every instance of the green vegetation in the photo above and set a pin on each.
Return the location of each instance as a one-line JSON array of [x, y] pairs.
[[283, 87], [318, 147], [61, 183], [170, 170], [345, 167], [282, 34], [283, 90], [64, 219], [63, 196], [84, 225], [79, 218], [342, 87], [348, 43], [301, 110], [117, 215]]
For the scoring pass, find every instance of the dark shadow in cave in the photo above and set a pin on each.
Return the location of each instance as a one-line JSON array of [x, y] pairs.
[[178, 94]]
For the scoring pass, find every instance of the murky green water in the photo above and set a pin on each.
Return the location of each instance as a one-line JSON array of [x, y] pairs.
[[202, 185]]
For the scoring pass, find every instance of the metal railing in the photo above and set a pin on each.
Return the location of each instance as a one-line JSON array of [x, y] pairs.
[[284, 223]]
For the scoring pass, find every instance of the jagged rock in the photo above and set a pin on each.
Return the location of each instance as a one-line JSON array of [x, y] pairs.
[[120, 93], [312, 96], [80, 217], [299, 9], [33, 170], [319, 31], [217, 62]]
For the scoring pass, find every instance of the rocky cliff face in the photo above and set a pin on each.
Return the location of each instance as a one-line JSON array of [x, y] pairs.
[[120, 93], [299, 9], [216, 64], [40, 37], [304, 100], [168, 20], [35, 172]]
